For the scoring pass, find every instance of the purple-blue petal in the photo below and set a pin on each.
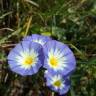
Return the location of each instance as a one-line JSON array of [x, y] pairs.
[[34, 37], [66, 83], [25, 46], [70, 61]]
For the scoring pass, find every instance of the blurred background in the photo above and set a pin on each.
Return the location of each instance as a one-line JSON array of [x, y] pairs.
[[69, 21]]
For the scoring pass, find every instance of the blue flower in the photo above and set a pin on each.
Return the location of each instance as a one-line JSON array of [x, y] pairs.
[[58, 58], [26, 58], [38, 39], [57, 82]]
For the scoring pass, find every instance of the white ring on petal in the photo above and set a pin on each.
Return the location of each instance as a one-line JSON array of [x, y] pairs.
[[57, 78], [61, 60], [23, 55], [39, 41]]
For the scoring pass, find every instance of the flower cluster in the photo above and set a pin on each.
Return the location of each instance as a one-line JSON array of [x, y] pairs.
[[37, 51]]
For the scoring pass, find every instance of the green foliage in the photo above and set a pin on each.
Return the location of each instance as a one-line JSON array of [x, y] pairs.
[[70, 21]]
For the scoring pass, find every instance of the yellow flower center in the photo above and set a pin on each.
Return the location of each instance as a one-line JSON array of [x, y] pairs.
[[53, 61], [28, 60], [57, 83]]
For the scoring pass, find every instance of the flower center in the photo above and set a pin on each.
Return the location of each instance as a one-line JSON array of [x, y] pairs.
[[57, 83], [28, 60], [53, 61]]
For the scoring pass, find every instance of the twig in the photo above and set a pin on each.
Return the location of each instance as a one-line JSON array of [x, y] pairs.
[[13, 33], [1, 17], [28, 26], [6, 29], [53, 94], [32, 2]]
